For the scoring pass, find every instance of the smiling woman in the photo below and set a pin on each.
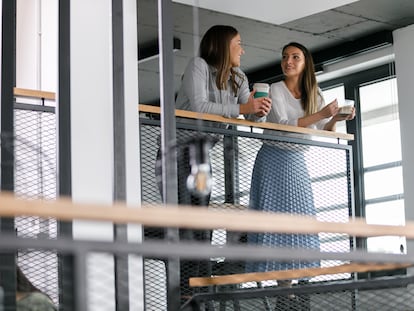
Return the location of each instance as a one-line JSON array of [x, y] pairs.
[[212, 83], [280, 180]]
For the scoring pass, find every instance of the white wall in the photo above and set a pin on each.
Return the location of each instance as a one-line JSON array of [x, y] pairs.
[[404, 66], [37, 44]]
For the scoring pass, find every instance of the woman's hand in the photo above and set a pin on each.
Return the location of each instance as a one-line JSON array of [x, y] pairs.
[[259, 106], [345, 117], [330, 110], [331, 125]]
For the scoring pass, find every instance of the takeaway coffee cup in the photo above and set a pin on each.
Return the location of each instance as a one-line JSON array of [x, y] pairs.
[[262, 90], [346, 107]]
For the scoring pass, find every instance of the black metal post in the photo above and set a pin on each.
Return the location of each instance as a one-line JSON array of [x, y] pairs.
[[119, 191], [168, 138], [66, 271], [8, 81]]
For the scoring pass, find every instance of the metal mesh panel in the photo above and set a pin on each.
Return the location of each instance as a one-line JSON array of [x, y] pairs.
[[233, 157], [100, 281], [35, 177], [382, 294]]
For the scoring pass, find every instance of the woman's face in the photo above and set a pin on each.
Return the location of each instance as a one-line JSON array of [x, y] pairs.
[[236, 51], [293, 61]]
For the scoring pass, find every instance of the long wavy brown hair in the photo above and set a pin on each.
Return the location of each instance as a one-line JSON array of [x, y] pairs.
[[308, 84], [215, 50]]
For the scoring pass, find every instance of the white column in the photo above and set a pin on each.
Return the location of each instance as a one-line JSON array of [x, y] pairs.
[[92, 133], [404, 66]]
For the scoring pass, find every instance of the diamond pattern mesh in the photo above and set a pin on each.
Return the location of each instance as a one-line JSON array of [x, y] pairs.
[[35, 177], [232, 162], [323, 166]]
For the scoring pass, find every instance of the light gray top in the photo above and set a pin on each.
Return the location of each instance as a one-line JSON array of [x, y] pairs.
[[199, 92]]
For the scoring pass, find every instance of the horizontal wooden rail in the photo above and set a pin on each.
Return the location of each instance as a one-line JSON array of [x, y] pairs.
[[19, 92], [262, 125], [193, 217], [292, 274]]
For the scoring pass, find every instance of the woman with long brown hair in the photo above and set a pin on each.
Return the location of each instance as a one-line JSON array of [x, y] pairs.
[[280, 179], [212, 83]]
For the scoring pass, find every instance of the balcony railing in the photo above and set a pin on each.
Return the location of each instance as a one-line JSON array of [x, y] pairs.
[[328, 162]]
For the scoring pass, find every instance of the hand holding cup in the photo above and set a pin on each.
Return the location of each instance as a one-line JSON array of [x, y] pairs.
[[261, 97], [262, 90]]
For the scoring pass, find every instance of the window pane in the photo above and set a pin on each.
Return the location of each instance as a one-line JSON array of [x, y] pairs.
[[380, 124], [381, 144], [386, 213], [379, 95], [386, 244], [383, 183]]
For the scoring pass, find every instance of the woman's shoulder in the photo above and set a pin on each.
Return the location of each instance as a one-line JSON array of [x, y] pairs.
[[197, 65], [278, 88], [278, 85], [198, 62]]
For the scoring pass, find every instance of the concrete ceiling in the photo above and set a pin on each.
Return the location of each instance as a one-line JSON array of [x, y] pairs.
[[262, 40]]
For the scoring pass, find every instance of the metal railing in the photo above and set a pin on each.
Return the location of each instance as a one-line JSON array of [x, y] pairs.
[[328, 161]]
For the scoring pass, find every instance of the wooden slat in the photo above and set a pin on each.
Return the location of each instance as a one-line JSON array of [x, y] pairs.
[[262, 125], [194, 218], [34, 94], [292, 274]]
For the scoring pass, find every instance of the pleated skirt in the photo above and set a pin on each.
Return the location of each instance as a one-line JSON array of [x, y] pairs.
[[281, 183]]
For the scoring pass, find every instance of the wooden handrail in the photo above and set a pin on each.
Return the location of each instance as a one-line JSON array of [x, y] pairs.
[[205, 116], [262, 125], [292, 274], [194, 218], [34, 94]]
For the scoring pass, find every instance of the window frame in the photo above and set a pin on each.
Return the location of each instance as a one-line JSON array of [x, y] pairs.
[[351, 84]]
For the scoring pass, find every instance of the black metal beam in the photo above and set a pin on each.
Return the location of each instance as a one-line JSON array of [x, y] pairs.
[[66, 262], [168, 135], [8, 81], [151, 49]]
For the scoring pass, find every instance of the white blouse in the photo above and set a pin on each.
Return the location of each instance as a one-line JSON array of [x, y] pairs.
[[287, 109]]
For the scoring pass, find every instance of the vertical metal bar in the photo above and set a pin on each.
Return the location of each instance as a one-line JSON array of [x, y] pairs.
[[8, 80], [80, 281], [168, 139], [118, 100], [120, 231], [66, 263], [64, 109], [231, 179], [230, 169], [354, 127], [355, 191]]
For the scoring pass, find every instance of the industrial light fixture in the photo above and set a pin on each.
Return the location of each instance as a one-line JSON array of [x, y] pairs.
[[200, 181], [151, 50]]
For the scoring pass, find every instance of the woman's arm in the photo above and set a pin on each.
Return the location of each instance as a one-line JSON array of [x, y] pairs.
[[196, 85], [326, 112], [253, 109]]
